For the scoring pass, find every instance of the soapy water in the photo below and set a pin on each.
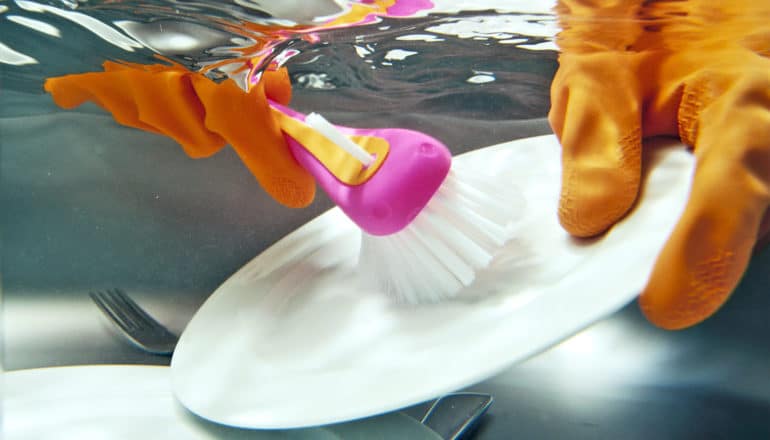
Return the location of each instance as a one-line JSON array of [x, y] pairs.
[[487, 60]]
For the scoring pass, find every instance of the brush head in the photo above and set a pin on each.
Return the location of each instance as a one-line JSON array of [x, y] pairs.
[[427, 231], [458, 234]]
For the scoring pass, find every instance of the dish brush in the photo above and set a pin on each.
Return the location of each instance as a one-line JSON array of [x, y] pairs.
[[428, 226]]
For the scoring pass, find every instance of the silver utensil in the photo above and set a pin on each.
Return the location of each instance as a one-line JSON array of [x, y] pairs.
[[457, 415], [138, 326], [452, 416]]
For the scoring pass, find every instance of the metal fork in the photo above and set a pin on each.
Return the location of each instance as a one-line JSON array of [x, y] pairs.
[[138, 326]]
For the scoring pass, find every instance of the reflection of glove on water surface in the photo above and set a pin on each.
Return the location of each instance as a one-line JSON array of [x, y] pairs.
[[701, 77], [204, 116], [200, 114]]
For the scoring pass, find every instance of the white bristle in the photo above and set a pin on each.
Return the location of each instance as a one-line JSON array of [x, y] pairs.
[[458, 234]]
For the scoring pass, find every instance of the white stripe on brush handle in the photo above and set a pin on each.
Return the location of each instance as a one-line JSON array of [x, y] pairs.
[[320, 124]]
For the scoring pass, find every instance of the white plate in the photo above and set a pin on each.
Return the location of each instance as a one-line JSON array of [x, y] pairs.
[[135, 402], [293, 339]]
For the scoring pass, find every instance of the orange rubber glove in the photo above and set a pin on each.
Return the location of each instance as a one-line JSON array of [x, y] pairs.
[[200, 114], [688, 69]]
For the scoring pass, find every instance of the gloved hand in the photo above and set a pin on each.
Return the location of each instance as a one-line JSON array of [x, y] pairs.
[[704, 78], [201, 115]]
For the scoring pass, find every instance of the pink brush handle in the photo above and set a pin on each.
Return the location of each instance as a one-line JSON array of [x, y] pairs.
[[414, 169]]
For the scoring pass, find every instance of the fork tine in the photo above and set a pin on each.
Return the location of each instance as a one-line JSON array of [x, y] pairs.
[[118, 308], [105, 306], [125, 303], [136, 324]]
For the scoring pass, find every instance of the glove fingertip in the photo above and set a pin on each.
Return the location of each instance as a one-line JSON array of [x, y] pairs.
[[678, 315], [686, 289], [594, 199]]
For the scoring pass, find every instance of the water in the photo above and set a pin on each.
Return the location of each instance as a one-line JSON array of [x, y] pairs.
[[425, 63], [88, 204], [96, 203], [469, 73]]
